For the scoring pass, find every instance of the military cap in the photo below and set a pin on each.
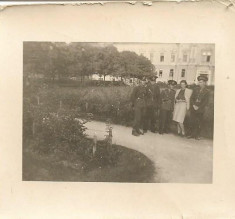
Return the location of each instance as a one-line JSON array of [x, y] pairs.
[[172, 82], [152, 77], [202, 78]]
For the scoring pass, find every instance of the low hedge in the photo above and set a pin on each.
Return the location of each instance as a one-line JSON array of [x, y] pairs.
[[104, 103]]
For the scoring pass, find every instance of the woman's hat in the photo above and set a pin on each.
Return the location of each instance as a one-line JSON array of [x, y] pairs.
[[202, 78], [172, 82]]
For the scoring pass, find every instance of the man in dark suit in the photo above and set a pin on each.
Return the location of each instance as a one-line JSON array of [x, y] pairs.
[[152, 100], [199, 101], [138, 103], [167, 106]]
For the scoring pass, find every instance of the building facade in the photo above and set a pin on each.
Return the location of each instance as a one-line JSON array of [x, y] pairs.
[[177, 61]]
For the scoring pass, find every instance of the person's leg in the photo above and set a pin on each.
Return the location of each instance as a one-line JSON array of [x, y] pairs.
[[168, 121], [136, 124], [192, 128], [162, 121], [182, 128], [196, 126], [146, 119], [152, 119], [197, 117], [143, 112], [178, 128], [199, 125]]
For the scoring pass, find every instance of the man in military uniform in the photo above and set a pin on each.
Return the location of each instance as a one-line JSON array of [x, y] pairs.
[[199, 100], [167, 107], [138, 103], [152, 104]]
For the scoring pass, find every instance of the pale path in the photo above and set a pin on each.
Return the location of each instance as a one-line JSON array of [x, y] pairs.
[[177, 160]]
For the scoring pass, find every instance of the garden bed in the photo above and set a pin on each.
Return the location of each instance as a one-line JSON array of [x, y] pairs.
[[116, 164]]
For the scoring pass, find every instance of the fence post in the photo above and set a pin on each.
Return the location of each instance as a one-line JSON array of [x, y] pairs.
[[33, 128], [60, 104], [118, 108], [94, 145], [86, 106], [109, 135], [38, 99]]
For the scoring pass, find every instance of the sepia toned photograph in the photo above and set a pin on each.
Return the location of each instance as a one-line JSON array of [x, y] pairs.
[[118, 112]]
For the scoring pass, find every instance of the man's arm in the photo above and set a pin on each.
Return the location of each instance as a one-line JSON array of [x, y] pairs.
[[204, 101], [161, 97], [193, 97], [157, 96]]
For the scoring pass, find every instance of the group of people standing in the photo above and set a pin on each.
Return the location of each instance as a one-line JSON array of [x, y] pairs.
[[149, 104]]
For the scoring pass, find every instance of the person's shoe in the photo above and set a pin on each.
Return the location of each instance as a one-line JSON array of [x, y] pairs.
[[135, 133], [190, 136], [140, 132]]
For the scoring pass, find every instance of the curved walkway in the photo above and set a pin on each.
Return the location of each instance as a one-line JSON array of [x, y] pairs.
[[177, 160]]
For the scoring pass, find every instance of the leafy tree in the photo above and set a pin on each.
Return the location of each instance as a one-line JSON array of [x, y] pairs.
[[144, 66], [35, 57], [133, 65], [82, 59], [106, 61]]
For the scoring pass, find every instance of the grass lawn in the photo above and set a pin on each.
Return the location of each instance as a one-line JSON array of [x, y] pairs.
[[131, 166]]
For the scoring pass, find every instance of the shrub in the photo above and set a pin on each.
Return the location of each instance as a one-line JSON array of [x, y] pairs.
[[51, 129], [106, 155], [62, 133]]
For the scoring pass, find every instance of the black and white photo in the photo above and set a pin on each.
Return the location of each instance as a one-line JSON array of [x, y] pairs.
[[118, 112]]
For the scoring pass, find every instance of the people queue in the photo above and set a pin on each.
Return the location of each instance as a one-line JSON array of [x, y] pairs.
[[149, 102]]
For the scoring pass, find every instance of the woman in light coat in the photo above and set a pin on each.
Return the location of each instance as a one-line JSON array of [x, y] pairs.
[[182, 104]]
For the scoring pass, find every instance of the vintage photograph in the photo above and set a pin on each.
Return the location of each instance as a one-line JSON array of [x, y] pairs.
[[118, 112]]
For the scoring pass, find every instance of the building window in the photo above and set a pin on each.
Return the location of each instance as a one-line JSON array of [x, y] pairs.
[[171, 73], [172, 57], [160, 73], [161, 58], [183, 73], [208, 58], [185, 58]]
